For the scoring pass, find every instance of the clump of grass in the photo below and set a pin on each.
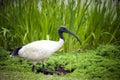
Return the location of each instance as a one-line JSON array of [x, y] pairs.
[[3, 54], [96, 65], [91, 64], [109, 51], [100, 63]]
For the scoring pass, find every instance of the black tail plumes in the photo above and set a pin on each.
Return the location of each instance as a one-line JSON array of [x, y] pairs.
[[15, 52]]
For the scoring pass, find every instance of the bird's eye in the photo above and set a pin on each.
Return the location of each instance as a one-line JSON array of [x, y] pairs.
[[64, 29]]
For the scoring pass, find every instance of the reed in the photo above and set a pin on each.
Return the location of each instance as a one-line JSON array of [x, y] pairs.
[[95, 23]]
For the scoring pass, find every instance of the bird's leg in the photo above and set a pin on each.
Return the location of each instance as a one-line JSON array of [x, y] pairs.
[[33, 68], [43, 66]]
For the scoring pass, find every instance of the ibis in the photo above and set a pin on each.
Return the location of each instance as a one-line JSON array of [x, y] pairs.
[[40, 50]]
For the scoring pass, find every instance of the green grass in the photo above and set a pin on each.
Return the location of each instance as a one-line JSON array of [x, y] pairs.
[[16, 75], [21, 22], [102, 63]]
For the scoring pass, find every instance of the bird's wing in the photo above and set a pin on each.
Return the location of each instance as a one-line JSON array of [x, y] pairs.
[[38, 50]]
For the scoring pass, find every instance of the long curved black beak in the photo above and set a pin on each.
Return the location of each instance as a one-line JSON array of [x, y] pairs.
[[74, 36]]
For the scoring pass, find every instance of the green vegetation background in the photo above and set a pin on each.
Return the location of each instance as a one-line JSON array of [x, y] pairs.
[[94, 22]]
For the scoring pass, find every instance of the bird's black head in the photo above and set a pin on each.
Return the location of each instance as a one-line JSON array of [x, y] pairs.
[[64, 29], [15, 52], [61, 30]]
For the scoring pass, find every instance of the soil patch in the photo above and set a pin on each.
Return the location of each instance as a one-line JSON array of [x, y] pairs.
[[59, 70]]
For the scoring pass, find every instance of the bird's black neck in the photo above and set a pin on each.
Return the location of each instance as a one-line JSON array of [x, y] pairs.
[[61, 34]]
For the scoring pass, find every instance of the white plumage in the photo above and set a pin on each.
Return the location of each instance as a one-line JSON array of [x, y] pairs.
[[33, 50], [40, 50]]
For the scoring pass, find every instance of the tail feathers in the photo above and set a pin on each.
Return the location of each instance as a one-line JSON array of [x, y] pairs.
[[15, 52]]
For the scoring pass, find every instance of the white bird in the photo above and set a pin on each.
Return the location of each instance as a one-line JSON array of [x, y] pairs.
[[42, 49]]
